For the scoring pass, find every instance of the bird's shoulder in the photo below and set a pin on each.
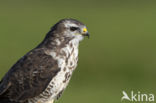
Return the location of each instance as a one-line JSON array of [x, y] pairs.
[[30, 75]]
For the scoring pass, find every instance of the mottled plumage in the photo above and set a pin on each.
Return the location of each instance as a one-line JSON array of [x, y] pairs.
[[43, 73]]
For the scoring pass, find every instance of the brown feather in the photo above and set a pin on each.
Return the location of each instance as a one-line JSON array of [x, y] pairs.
[[29, 76]]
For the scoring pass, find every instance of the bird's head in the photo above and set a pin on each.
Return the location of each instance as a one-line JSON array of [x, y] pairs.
[[70, 28]]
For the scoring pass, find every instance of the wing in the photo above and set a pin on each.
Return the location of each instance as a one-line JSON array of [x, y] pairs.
[[29, 76]]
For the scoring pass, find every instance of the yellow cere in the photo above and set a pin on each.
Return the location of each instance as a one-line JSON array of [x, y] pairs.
[[84, 29]]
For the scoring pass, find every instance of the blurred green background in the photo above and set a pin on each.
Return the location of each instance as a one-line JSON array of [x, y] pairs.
[[120, 54]]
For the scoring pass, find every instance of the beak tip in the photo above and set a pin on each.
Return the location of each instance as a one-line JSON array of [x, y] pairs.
[[88, 35]]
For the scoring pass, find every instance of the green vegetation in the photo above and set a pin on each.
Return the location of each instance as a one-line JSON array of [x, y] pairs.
[[120, 54]]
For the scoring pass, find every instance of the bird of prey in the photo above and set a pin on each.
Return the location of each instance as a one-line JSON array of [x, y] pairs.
[[42, 74]]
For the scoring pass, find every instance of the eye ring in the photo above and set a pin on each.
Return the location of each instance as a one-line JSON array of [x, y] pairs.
[[73, 28]]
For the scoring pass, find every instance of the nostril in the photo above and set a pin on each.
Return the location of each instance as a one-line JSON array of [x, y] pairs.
[[84, 30]]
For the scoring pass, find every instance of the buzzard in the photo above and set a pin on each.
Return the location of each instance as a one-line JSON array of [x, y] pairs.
[[42, 74]]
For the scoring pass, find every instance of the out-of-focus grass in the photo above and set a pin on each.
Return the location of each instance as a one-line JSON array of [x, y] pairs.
[[120, 55]]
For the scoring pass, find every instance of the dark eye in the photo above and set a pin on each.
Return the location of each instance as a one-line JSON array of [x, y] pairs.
[[73, 28]]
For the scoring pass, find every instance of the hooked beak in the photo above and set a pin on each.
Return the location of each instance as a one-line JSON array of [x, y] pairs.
[[85, 32]]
